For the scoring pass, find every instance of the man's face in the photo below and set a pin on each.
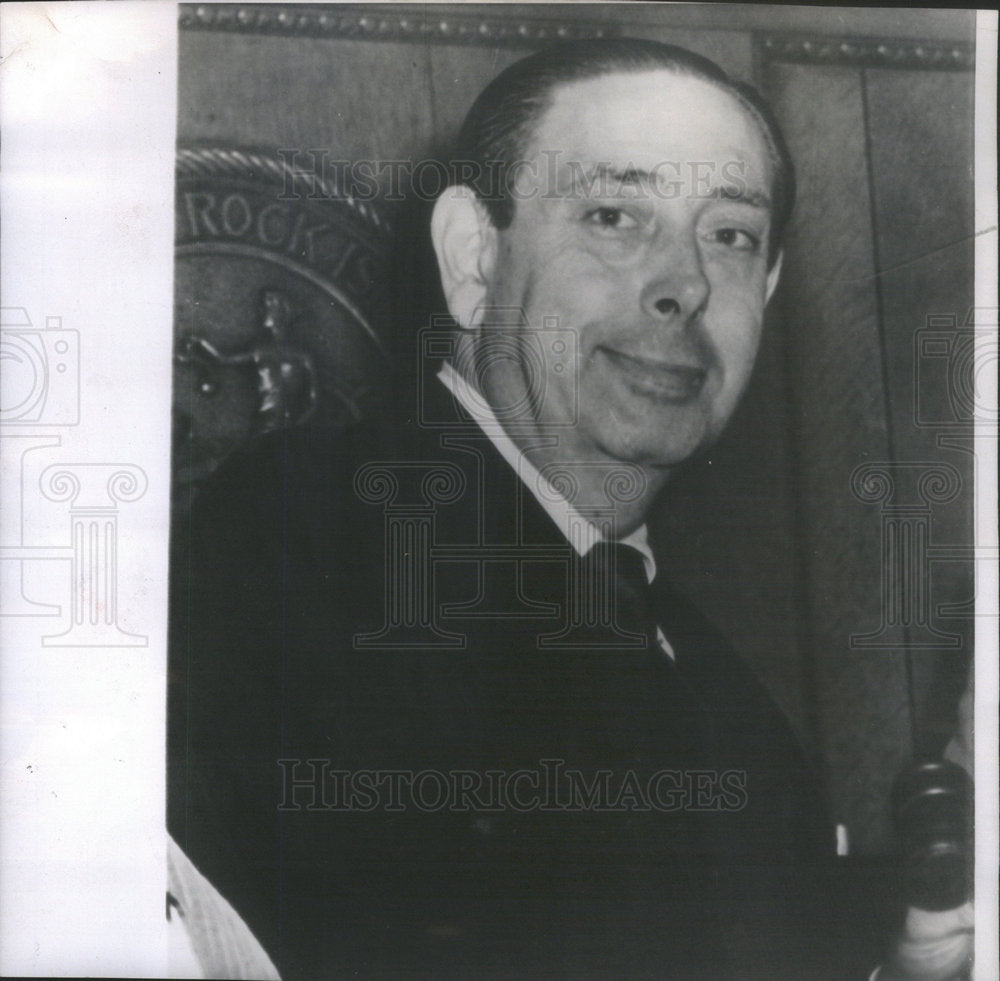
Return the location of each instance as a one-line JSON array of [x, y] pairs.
[[650, 246]]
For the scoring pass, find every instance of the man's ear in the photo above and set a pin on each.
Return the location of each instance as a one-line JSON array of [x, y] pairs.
[[465, 242], [773, 276]]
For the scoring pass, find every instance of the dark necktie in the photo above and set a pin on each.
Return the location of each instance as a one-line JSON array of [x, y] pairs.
[[646, 713], [618, 575], [662, 719]]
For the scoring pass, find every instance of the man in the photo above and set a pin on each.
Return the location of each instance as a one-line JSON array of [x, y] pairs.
[[430, 720]]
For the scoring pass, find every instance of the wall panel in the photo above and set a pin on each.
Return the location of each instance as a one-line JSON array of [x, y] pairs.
[[359, 99], [838, 418], [921, 137], [458, 74]]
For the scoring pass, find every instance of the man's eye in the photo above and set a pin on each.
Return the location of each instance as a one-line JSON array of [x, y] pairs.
[[736, 238], [613, 218]]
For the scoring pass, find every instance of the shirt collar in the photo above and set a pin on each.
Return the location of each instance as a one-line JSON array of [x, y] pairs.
[[566, 517]]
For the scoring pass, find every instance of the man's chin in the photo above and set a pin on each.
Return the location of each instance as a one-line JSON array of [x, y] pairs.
[[659, 443], [654, 453]]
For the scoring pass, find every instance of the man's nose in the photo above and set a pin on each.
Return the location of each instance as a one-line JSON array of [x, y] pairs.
[[678, 289]]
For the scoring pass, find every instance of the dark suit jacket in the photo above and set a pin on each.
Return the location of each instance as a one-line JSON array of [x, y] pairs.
[[282, 567]]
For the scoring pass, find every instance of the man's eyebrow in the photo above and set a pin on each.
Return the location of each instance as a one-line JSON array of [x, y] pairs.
[[743, 195], [623, 175], [603, 177], [632, 176]]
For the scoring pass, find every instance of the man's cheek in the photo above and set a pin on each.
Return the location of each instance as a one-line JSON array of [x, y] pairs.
[[595, 293], [557, 302], [581, 259], [739, 306], [737, 361]]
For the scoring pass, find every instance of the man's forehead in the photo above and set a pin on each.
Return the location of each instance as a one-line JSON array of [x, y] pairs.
[[647, 120]]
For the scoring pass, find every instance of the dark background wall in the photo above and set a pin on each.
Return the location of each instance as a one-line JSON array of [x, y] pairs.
[[844, 589]]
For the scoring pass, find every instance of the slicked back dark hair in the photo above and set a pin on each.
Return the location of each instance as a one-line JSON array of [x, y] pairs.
[[501, 124]]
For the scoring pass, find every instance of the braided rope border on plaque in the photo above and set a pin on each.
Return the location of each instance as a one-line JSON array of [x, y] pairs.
[[867, 52], [255, 164], [377, 23]]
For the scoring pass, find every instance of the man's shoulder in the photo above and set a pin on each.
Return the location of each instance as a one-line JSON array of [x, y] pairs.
[[295, 473], [319, 472]]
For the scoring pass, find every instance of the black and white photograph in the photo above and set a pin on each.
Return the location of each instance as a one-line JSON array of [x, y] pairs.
[[527, 507]]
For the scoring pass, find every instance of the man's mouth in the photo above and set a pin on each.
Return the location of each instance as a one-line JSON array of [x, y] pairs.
[[663, 380]]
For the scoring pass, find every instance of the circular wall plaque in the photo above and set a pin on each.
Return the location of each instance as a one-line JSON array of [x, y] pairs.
[[280, 304]]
